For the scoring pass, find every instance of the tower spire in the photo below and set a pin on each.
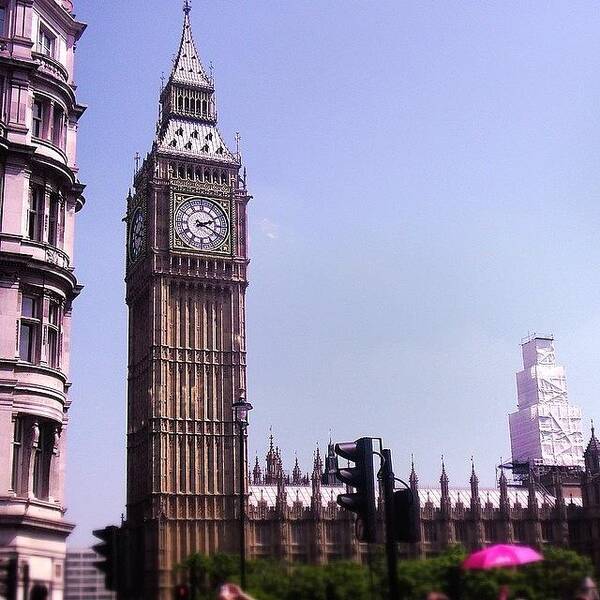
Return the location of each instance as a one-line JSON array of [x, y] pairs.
[[187, 67]]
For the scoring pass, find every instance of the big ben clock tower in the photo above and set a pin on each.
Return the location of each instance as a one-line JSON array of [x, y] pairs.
[[186, 283]]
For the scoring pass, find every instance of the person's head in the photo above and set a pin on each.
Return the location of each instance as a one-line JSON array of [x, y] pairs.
[[588, 585], [436, 596]]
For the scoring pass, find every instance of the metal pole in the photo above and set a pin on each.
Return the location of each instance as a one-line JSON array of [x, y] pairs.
[[242, 509], [391, 549]]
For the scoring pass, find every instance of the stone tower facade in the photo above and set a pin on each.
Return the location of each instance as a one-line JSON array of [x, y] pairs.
[[186, 284], [40, 195]]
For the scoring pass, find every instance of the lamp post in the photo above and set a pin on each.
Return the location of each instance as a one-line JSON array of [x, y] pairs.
[[241, 408]]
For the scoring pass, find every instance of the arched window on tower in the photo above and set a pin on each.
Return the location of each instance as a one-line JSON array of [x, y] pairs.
[[187, 104], [215, 176], [223, 177], [204, 107], [206, 175], [190, 172], [179, 102], [181, 172]]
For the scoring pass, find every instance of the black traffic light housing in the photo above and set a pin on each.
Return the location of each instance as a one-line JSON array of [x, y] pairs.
[[9, 575], [108, 549], [361, 478], [405, 529]]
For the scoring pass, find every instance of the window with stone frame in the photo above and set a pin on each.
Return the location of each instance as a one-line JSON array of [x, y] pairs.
[[58, 126], [35, 212], [33, 444], [53, 334], [17, 479], [42, 451], [54, 219], [3, 19], [46, 41], [30, 328], [37, 116]]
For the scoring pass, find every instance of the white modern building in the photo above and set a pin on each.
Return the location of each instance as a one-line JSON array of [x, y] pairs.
[[546, 428], [83, 581]]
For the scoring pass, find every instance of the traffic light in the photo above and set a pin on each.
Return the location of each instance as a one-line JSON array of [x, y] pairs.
[[361, 478], [182, 592], [9, 569], [404, 516], [108, 550]]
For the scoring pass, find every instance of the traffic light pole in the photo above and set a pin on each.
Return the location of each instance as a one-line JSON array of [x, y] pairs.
[[391, 548]]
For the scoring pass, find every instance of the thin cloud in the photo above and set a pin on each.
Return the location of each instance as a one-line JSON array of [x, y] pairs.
[[270, 229]]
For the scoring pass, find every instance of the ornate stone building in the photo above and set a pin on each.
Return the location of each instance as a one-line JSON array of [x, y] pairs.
[[186, 284], [296, 518], [40, 195]]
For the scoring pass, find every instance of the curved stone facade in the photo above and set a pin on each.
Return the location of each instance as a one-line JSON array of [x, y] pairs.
[[40, 194]]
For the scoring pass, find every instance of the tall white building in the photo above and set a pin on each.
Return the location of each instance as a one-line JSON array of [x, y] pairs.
[[546, 429]]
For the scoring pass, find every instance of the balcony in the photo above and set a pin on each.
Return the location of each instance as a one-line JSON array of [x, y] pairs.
[[51, 67]]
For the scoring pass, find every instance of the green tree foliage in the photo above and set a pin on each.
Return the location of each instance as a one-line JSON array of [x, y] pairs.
[[558, 577]]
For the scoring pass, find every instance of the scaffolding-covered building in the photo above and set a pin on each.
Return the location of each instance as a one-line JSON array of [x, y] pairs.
[[545, 431]]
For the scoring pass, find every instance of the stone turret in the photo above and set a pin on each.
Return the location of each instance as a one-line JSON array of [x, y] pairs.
[[257, 473], [476, 516], [444, 487], [592, 454], [272, 459], [331, 466], [447, 529], [317, 474], [505, 508], [297, 478], [413, 480]]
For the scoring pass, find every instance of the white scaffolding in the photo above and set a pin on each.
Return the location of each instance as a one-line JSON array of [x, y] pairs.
[[546, 429]]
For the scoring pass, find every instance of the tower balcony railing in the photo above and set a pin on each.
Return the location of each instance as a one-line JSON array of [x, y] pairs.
[[51, 67]]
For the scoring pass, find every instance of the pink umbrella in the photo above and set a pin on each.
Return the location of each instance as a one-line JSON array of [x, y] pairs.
[[502, 555]]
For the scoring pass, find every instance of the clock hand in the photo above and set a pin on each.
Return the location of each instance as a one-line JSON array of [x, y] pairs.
[[210, 229]]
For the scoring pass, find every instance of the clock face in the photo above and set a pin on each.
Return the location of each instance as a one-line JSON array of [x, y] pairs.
[[201, 223], [136, 234]]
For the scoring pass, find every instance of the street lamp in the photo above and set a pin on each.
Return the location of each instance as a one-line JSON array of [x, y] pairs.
[[241, 408]]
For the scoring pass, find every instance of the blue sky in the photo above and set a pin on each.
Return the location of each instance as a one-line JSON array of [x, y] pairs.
[[425, 181]]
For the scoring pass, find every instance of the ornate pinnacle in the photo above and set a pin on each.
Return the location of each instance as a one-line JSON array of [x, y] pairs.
[[187, 6]]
